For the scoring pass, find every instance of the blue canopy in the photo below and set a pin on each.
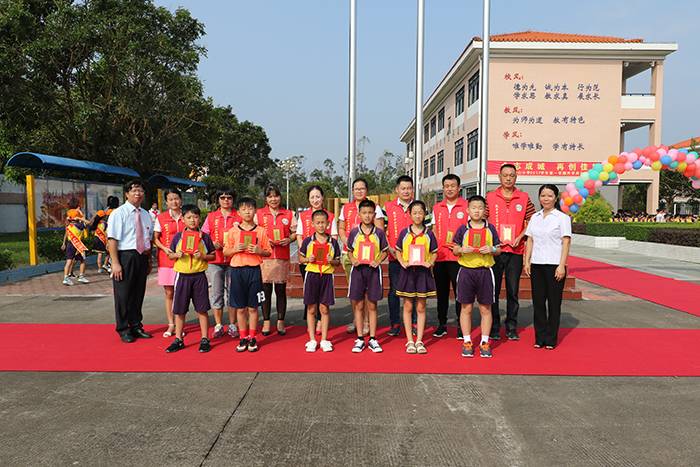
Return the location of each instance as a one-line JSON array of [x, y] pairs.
[[160, 180], [32, 160]]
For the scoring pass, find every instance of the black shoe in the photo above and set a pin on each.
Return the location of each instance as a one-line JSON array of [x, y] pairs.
[[459, 333], [127, 337], [282, 332], [140, 333], [440, 331], [252, 345], [394, 331], [204, 345], [265, 333], [242, 345], [178, 344], [495, 336], [512, 335]]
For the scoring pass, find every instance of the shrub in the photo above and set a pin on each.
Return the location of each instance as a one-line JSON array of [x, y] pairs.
[[6, 260], [672, 234], [49, 245], [595, 209]]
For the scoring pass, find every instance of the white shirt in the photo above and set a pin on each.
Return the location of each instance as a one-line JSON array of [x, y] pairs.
[[547, 234], [121, 226]]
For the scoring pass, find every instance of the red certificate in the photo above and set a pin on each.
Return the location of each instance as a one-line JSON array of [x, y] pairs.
[[365, 252], [248, 238], [190, 241], [416, 255], [276, 235], [477, 238], [507, 233], [320, 252]]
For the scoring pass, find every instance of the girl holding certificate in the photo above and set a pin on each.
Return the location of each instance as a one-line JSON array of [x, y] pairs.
[[416, 249]]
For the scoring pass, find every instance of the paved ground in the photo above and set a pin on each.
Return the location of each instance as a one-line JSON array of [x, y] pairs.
[[351, 419]]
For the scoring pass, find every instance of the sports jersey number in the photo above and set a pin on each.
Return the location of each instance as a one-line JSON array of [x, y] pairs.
[[261, 297]]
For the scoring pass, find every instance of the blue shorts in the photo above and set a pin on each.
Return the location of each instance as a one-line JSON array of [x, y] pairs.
[[194, 287], [475, 283], [245, 288]]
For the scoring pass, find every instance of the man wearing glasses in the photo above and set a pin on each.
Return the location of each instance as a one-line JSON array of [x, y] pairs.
[[129, 232], [216, 225]]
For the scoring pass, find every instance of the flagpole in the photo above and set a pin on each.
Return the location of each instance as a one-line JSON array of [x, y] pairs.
[[352, 96], [484, 99], [418, 151]]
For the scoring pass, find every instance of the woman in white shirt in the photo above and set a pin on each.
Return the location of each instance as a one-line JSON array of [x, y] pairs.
[[546, 253]]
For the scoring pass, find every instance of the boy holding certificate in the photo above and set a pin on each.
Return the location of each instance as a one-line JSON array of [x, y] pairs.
[[191, 250], [476, 244], [416, 250], [246, 245], [367, 248], [320, 253]]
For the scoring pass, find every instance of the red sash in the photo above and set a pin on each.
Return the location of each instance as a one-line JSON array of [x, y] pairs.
[[74, 234]]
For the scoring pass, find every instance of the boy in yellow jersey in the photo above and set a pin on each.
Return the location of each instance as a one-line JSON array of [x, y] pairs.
[[319, 290], [367, 248], [191, 249], [475, 245]]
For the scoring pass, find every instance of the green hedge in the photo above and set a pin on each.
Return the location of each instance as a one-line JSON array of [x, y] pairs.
[[672, 234]]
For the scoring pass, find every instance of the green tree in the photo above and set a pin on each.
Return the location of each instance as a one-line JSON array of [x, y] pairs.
[[673, 184], [595, 209]]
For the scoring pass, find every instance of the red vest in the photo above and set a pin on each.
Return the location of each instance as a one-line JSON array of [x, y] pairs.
[[281, 221], [217, 226], [446, 224], [305, 219], [397, 220], [512, 211], [351, 216], [168, 228]]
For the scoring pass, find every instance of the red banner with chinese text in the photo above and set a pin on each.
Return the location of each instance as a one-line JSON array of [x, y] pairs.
[[542, 168]]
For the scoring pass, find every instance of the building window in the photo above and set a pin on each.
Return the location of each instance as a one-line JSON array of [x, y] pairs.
[[440, 161], [426, 135], [474, 88], [472, 145], [441, 119], [433, 124], [468, 191], [459, 102], [432, 165], [425, 168], [459, 151]]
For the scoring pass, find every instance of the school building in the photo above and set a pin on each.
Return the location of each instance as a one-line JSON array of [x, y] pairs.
[[558, 103]]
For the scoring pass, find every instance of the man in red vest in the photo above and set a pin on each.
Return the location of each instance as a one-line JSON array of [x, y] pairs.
[[448, 215], [509, 210], [397, 218]]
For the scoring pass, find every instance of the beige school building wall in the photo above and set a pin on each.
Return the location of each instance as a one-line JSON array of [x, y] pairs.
[[555, 108]]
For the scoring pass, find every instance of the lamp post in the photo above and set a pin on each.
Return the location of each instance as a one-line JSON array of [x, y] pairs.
[[288, 166]]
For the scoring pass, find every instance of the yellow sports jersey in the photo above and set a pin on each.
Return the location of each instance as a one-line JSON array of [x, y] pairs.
[[307, 249], [188, 264], [376, 236], [476, 260], [407, 238]]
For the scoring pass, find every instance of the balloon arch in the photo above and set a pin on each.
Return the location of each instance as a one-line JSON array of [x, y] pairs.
[[656, 157]]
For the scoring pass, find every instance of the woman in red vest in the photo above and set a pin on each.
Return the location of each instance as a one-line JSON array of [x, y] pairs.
[[167, 224], [280, 226], [217, 225], [305, 229]]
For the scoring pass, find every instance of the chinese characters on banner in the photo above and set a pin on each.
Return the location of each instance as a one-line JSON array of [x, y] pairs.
[[542, 168]]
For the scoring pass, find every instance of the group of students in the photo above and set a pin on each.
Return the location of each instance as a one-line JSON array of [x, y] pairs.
[[468, 246]]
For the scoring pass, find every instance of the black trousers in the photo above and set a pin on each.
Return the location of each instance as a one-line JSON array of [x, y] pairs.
[[512, 265], [129, 292], [546, 300], [445, 273], [302, 270]]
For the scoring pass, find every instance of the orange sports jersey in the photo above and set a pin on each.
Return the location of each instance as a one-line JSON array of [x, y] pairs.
[[243, 258]]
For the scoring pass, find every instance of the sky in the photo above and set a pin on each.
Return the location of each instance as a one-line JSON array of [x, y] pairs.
[[283, 64]]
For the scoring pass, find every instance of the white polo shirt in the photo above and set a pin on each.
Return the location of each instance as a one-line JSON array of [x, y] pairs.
[[547, 234]]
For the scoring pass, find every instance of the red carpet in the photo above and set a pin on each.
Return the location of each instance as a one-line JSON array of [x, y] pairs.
[[582, 351], [671, 293]]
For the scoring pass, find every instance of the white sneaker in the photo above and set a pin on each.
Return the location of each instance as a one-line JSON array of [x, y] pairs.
[[311, 346], [67, 281], [232, 331], [83, 280], [374, 346], [351, 328], [218, 331], [359, 346], [326, 346]]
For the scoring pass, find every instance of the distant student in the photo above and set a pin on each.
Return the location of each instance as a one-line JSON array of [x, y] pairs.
[[476, 243], [415, 279], [367, 248], [246, 245], [73, 242], [99, 226], [319, 290], [190, 250]]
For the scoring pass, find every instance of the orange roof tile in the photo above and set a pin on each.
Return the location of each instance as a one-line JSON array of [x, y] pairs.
[[686, 143], [539, 36]]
